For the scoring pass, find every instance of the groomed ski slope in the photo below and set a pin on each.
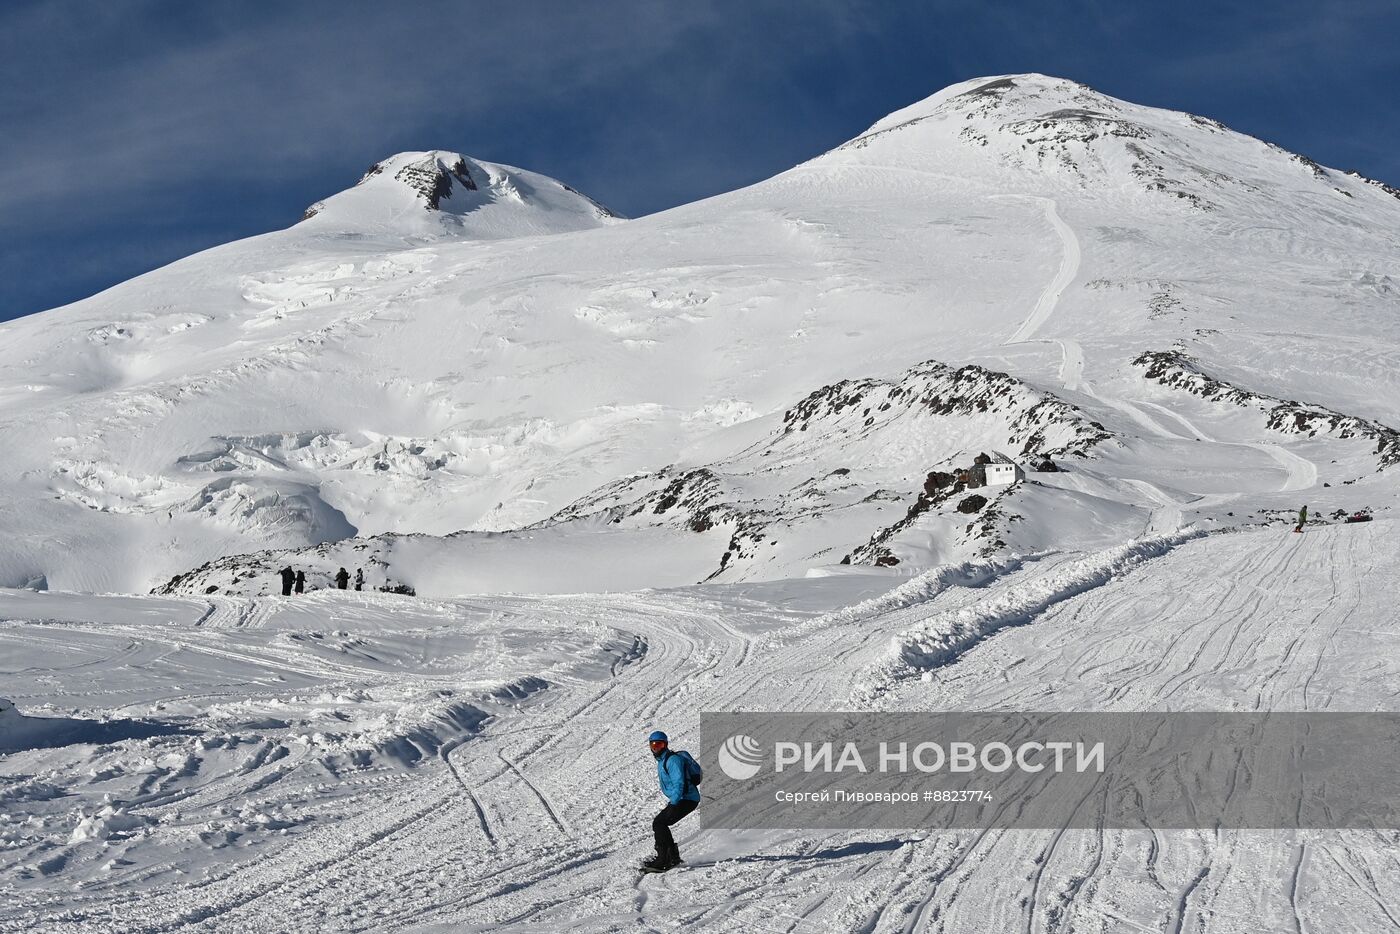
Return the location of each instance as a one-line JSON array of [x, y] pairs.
[[533, 814]]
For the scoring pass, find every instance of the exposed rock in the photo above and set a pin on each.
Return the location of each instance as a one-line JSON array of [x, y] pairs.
[[1040, 423], [971, 504], [1072, 125], [603, 209], [1150, 170], [1388, 189], [937, 480], [1181, 371], [434, 181]]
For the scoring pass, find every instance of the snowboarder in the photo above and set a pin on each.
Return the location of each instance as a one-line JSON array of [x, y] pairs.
[[359, 578], [287, 578], [679, 775], [342, 579], [1302, 519], [301, 582]]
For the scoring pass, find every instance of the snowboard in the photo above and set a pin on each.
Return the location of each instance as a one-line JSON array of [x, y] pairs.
[[648, 870]]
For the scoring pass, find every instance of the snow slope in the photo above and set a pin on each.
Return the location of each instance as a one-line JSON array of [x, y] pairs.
[[369, 762], [458, 347]]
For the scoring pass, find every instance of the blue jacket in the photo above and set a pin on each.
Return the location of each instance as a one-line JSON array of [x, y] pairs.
[[670, 771]]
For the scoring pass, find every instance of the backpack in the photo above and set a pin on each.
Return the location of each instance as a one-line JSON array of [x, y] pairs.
[[693, 773]]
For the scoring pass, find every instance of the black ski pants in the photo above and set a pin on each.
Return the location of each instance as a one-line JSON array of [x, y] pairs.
[[661, 826]]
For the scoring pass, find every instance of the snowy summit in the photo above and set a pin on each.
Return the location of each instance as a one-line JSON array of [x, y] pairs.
[[449, 195]]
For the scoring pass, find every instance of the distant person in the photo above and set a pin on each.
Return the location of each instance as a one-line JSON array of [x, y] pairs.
[[359, 578], [288, 578], [301, 581], [679, 775], [342, 580], [1302, 519]]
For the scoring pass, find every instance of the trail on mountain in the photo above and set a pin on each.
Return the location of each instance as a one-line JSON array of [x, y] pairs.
[[1064, 275], [1299, 472], [1071, 363], [1071, 353]]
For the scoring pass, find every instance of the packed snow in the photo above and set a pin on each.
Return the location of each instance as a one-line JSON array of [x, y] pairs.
[[350, 761], [603, 474]]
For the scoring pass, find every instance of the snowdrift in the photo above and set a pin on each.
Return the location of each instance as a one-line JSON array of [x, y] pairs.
[[938, 641]]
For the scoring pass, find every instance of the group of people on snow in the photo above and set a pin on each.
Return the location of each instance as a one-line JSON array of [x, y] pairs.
[[295, 581], [292, 581]]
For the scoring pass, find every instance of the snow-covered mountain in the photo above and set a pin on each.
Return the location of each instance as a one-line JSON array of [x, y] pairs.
[[467, 379], [447, 195], [484, 380]]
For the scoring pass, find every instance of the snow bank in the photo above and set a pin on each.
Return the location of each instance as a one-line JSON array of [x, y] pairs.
[[942, 637], [934, 581], [107, 823], [921, 589]]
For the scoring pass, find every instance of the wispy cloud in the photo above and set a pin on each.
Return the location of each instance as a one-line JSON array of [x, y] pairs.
[[143, 100]]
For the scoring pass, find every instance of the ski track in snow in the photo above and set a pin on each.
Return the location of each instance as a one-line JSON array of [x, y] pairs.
[[1071, 363], [537, 815], [1299, 472], [1071, 354], [1064, 275]]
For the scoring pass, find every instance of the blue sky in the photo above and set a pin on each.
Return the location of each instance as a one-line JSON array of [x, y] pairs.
[[134, 132]]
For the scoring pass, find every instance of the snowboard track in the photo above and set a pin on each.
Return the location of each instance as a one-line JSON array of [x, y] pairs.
[[489, 830]]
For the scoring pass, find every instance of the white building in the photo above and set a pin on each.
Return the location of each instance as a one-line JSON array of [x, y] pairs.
[[1000, 474], [1001, 471]]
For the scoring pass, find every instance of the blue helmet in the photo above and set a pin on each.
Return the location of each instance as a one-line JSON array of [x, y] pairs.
[[657, 737]]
